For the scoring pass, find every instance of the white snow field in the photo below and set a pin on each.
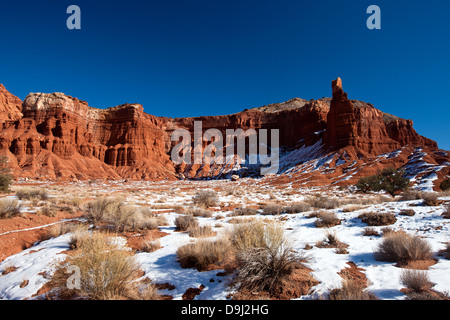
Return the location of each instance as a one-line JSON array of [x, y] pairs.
[[37, 263]]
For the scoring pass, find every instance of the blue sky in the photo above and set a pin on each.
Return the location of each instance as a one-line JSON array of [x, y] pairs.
[[213, 57]]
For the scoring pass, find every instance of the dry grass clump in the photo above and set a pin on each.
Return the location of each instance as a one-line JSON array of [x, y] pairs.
[[446, 213], [403, 248], [378, 218], [202, 254], [183, 223], [370, 232], [264, 256], [205, 198], [407, 212], [297, 207], [32, 193], [201, 232], [351, 290], [352, 207], [66, 227], [198, 212], [98, 210], [326, 219], [240, 220], [322, 202], [331, 241], [120, 217], [9, 208], [106, 272], [150, 246], [241, 211], [447, 251], [416, 280], [411, 194], [431, 199], [254, 234], [272, 209]]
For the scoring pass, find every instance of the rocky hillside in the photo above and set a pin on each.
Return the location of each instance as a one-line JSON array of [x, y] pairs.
[[326, 141]]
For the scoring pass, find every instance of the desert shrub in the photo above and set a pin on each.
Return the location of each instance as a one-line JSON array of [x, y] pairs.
[[121, 217], [243, 212], [65, 227], [370, 232], [430, 199], [297, 207], [389, 180], [407, 212], [331, 241], [183, 223], [150, 246], [410, 195], [378, 218], [9, 208], [198, 212], [423, 295], [416, 280], [353, 207], [204, 253], [446, 213], [326, 219], [445, 185], [264, 256], [272, 209], [255, 234], [107, 271], [322, 202], [32, 193], [201, 232], [5, 182], [205, 198], [447, 251], [351, 290], [5, 175], [127, 218], [99, 209], [402, 248]]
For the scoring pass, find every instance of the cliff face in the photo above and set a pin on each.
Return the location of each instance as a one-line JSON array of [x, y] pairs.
[[10, 105], [55, 136]]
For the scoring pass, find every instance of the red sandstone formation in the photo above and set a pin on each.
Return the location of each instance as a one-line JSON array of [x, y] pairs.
[[55, 136]]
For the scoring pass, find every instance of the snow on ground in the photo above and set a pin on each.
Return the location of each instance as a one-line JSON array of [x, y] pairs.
[[161, 266]]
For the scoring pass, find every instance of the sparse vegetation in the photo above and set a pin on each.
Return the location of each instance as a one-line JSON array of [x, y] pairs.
[[403, 248], [378, 218], [322, 202], [370, 232], [326, 219], [205, 198], [416, 280], [5, 175], [107, 271], [241, 211], [351, 290], [9, 208], [32, 193], [297, 207], [264, 255], [204, 253], [183, 223], [272, 209], [114, 214], [446, 213], [201, 232], [389, 180]]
